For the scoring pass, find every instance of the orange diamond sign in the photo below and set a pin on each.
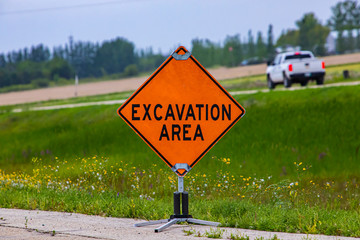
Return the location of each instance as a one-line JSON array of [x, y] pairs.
[[181, 111]]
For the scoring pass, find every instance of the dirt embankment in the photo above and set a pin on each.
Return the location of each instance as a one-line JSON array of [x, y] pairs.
[[89, 89]]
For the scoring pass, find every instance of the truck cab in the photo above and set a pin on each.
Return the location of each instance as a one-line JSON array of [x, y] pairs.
[[295, 67]]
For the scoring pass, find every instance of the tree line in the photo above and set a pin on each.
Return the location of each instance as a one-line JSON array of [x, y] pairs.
[[234, 51], [38, 65], [310, 34], [119, 58]]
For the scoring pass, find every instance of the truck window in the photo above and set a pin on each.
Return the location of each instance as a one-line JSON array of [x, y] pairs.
[[277, 59], [297, 56]]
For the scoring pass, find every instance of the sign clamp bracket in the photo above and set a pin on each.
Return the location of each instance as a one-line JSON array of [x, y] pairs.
[[181, 57], [187, 169], [178, 166]]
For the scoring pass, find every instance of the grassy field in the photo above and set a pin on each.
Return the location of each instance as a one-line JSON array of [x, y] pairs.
[[308, 205], [291, 164], [318, 126]]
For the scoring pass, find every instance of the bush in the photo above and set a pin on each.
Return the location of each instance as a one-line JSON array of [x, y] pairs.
[[40, 83], [131, 70]]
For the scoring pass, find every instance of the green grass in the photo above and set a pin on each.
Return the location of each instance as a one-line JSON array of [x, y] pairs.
[[119, 189], [340, 68], [291, 164], [231, 213], [317, 126], [245, 83]]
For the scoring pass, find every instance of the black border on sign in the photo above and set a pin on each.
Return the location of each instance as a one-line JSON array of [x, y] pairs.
[[150, 79]]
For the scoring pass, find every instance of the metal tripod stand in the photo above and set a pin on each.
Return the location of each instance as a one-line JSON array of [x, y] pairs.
[[177, 217]]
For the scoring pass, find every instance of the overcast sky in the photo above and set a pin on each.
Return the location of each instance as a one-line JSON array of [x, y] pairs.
[[161, 24]]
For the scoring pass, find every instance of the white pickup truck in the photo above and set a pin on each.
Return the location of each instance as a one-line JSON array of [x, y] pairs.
[[295, 67]]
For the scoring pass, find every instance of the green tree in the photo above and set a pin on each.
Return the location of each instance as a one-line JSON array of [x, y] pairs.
[[26, 71], [58, 67], [288, 38], [4, 78], [80, 55], [260, 47], [250, 53], [113, 56], [350, 7], [336, 22], [232, 51], [346, 18], [2, 61], [147, 60], [270, 43], [206, 52], [312, 34], [356, 15], [39, 53]]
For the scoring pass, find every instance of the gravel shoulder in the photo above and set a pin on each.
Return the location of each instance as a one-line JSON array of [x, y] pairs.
[[35, 224]]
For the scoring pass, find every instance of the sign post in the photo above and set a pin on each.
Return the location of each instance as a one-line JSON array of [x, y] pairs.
[[181, 112]]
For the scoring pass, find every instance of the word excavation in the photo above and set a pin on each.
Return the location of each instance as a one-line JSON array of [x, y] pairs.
[[183, 112]]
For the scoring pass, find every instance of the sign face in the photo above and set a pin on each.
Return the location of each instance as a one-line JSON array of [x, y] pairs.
[[181, 111]]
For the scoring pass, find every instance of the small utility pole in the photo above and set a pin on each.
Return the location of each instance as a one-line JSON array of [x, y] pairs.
[[76, 84]]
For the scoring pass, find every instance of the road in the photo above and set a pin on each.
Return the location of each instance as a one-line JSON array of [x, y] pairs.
[[233, 93], [130, 84], [35, 224]]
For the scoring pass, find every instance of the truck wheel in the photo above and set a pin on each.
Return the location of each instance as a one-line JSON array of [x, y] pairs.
[[304, 83], [320, 81], [271, 84], [287, 81]]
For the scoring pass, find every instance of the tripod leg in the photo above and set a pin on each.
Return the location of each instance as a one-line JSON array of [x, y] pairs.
[[203, 222], [151, 223], [171, 222]]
